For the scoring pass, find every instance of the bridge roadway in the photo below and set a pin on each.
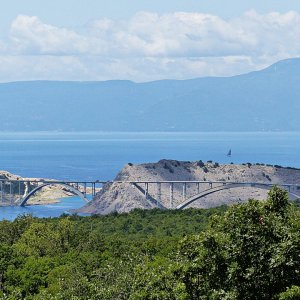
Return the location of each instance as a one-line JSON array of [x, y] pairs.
[[24, 189]]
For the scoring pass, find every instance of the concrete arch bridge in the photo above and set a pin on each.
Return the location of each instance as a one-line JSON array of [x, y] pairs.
[[19, 192], [199, 190], [180, 194]]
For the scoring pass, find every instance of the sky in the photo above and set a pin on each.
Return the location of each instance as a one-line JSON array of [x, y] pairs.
[[143, 40]]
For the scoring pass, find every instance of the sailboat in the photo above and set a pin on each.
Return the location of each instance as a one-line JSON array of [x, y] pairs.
[[229, 153]]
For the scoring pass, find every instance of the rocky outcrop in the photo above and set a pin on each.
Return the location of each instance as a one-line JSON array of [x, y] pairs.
[[123, 197]]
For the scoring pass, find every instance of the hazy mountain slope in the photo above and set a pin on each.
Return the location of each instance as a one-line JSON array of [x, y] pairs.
[[264, 100]]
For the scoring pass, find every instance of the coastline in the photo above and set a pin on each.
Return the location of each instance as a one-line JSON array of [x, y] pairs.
[[49, 196]]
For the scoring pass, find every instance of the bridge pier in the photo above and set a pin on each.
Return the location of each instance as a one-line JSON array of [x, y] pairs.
[[93, 190], [1, 191], [184, 191], [158, 193], [10, 193], [146, 190], [84, 192], [171, 195]]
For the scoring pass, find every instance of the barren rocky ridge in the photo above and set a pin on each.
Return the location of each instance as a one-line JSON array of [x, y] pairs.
[[123, 197]]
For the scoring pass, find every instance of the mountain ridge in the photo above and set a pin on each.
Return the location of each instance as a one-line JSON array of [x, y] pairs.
[[266, 100]]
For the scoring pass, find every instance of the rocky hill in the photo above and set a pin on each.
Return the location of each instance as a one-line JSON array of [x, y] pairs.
[[123, 197]]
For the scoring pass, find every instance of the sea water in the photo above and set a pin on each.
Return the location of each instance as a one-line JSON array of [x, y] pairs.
[[41, 211], [101, 155]]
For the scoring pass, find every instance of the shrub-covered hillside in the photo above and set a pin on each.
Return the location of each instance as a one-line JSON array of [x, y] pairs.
[[248, 251]]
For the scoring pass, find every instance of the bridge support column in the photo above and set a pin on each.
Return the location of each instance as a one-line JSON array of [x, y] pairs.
[[10, 193], [94, 189], [184, 191], [1, 191], [84, 192], [198, 188], [158, 193], [146, 190], [171, 195]]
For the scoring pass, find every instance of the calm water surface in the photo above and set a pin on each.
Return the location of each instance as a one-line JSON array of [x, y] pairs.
[[46, 211], [96, 155]]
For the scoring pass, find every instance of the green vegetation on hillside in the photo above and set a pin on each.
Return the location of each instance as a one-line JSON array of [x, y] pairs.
[[248, 251]]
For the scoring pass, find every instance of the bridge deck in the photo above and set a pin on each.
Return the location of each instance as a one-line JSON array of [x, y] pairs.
[[79, 187]]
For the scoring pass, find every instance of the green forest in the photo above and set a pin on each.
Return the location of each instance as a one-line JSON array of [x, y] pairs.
[[246, 251]]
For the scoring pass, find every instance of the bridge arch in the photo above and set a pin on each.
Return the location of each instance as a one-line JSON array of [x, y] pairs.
[[69, 187], [227, 187]]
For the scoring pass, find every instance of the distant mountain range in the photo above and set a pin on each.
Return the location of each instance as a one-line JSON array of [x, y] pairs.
[[265, 100]]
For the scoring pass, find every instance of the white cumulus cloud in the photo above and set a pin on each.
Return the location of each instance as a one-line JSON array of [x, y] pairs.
[[148, 46]]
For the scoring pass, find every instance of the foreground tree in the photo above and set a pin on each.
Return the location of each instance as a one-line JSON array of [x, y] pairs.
[[249, 251], [252, 252]]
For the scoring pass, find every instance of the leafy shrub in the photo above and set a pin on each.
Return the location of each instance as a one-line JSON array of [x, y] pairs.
[[292, 293], [168, 167], [268, 177], [200, 164], [205, 170]]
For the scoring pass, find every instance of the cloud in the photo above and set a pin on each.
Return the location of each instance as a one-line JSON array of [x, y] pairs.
[[148, 46], [30, 36]]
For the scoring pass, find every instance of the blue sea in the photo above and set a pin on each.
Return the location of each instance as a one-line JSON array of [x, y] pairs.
[[100, 155]]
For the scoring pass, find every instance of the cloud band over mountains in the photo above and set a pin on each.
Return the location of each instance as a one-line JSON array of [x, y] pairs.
[[148, 46]]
